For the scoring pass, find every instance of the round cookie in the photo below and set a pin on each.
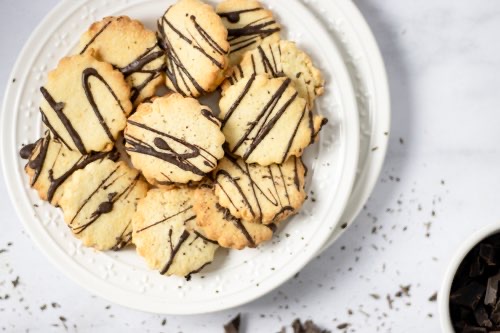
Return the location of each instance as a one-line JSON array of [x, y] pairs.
[[85, 103], [219, 225], [99, 202], [196, 47], [265, 194], [174, 139], [280, 59], [248, 25], [51, 164], [130, 48], [265, 121], [163, 233]]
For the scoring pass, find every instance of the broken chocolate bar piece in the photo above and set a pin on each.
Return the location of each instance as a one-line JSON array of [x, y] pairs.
[[482, 317], [492, 290], [476, 268], [495, 314], [469, 295], [474, 329], [490, 254]]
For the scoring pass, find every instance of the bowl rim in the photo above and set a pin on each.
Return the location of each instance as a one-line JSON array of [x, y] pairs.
[[458, 257]]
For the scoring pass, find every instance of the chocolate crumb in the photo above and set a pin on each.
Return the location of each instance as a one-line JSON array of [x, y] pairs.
[[15, 282], [433, 297]]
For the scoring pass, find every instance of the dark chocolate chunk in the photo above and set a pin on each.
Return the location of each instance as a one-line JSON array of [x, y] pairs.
[[474, 329], [308, 327], [233, 326], [482, 317], [490, 254], [492, 290], [469, 295], [476, 268], [495, 314]]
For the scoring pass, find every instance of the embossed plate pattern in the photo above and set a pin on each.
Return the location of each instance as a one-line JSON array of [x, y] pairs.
[[237, 276]]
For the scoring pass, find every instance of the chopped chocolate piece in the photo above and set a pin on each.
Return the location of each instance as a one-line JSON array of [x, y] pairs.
[[308, 327], [476, 268], [469, 295], [482, 317], [490, 254], [233, 326], [495, 314], [433, 297], [474, 329], [492, 290]]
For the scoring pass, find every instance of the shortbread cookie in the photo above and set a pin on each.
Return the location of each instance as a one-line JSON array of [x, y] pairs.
[[219, 225], [248, 25], [280, 59], [85, 103], [51, 164], [130, 48], [174, 139], [195, 43], [266, 194], [99, 201], [163, 233], [265, 121]]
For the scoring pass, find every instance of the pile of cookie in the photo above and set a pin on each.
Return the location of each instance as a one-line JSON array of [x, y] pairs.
[[166, 173]]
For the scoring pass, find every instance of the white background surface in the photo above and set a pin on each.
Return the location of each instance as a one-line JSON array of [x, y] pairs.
[[443, 64]]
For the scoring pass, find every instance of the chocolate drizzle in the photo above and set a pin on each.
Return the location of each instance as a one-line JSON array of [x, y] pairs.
[[241, 38], [226, 215], [107, 206], [271, 194], [264, 121], [162, 150], [138, 66], [95, 37], [173, 250], [58, 110], [176, 72], [86, 75], [39, 161], [26, 151]]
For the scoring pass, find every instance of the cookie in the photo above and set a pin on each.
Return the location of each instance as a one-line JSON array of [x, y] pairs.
[[248, 25], [195, 43], [163, 233], [173, 140], [85, 103], [99, 201], [130, 48], [266, 194], [219, 225], [265, 121], [281, 59], [51, 164]]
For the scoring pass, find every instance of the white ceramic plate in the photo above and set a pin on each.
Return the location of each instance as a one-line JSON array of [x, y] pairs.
[[360, 52], [237, 276]]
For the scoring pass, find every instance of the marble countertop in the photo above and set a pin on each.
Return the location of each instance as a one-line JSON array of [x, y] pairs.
[[437, 187]]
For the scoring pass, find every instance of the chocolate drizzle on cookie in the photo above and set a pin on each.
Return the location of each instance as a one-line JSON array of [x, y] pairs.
[[260, 127], [173, 250], [38, 161], [58, 108], [180, 77], [160, 148], [246, 36], [139, 65], [105, 207], [265, 190], [226, 215]]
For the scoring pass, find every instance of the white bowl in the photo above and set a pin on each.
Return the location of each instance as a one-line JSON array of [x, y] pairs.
[[444, 293]]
